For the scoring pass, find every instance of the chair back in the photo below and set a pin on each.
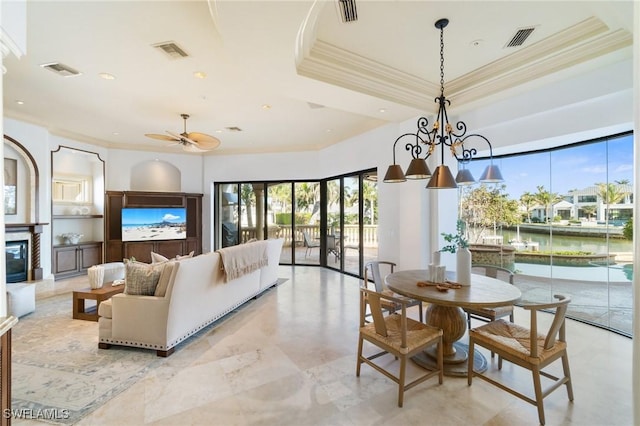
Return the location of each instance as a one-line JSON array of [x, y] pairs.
[[307, 238], [372, 272], [556, 329], [375, 306], [331, 242], [496, 272]]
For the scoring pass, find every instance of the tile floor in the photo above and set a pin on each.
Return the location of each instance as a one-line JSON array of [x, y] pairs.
[[288, 358]]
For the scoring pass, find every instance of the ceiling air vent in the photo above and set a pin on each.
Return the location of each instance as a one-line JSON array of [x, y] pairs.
[[61, 69], [348, 10], [234, 129], [520, 37], [171, 49]]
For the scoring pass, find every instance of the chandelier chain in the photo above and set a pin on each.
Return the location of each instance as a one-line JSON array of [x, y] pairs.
[[441, 61]]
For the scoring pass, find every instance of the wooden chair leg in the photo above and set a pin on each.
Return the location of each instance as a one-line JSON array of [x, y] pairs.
[[359, 363], [535, 372], [403, 367], [421, 313], [567, 374], [440, 361], [470, 363]]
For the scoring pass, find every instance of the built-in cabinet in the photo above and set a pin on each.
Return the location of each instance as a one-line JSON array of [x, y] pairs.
[[77, 207], [75, 259], [116, 249]]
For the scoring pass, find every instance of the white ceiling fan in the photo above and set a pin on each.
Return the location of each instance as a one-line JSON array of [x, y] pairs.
[[192, 141]]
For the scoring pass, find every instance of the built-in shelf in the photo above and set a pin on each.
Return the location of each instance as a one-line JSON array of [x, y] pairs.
[[77, 216]]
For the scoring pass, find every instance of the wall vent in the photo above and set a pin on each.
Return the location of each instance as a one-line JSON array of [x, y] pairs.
[[348, 10], [171, 49], [520, 37], [61, 69], [314, 106], [233, 129]]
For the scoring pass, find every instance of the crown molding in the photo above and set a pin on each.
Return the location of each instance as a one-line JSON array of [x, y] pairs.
[[584, 41]]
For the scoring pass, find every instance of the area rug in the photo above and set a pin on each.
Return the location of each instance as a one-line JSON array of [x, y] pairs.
[[60, 375]]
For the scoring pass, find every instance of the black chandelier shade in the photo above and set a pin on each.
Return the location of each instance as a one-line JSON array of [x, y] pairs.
[[424, 142]]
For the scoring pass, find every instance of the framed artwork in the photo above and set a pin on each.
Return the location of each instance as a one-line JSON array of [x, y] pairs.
[[10, 185]]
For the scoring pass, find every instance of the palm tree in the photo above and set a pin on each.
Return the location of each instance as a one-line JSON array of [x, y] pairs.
[[610, 193], [528, 200], [589, 210], [547, 199], [623, 182], [248, 199], [370, 198]]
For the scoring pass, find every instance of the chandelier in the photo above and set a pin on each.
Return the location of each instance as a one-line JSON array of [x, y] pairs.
[[442, 134]]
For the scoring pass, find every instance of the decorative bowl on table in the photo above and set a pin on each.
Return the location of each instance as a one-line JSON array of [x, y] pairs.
[[71, 238]]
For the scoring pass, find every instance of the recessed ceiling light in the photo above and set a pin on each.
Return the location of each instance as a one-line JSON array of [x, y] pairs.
[[115, 133], [476, 43], [266, 106], [329, 130], [200, 74], [19, 102], [107, 76], [382, 110], [218, 131]]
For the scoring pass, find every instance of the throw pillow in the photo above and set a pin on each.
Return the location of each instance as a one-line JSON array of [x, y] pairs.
[[178, 257], [141, 278], [165, 277], [157, 258]]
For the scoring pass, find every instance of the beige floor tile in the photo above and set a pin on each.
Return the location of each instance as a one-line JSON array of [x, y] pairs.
[[289, 358]]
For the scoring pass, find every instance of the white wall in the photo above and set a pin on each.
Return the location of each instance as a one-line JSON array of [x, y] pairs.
[[409, 229], [120, 163]]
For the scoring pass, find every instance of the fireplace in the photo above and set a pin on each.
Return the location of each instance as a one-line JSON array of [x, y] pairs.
[[17, 260], [29, 235]]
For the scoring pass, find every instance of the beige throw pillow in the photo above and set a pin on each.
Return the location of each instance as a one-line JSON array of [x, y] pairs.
[[165, 277], [157, 258], [186, 256], [141, 278]]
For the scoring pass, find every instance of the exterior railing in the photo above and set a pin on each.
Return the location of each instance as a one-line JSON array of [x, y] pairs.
[[369, 235]]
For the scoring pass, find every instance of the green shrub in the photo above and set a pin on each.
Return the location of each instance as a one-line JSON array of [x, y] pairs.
[[627, 231]]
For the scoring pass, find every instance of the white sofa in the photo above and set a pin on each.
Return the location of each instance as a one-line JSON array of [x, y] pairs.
[[196, 296]]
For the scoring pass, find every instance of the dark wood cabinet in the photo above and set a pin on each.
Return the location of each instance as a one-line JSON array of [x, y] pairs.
[[74, 259], [116, 249]]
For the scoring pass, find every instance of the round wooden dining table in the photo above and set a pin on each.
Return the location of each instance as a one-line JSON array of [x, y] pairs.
[[445, 311]]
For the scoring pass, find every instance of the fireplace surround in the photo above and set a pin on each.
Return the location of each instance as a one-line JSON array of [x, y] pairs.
[[30, 234]]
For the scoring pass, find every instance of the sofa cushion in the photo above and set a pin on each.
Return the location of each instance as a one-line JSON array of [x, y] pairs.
[[142, 278], [105, 309], [165, 278]]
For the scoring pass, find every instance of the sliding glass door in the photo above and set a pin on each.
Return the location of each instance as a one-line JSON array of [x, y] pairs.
[[328, 223]]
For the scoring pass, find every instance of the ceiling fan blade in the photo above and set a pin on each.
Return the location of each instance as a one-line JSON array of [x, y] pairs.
[[204, 141], [161, 137], [176, 136]]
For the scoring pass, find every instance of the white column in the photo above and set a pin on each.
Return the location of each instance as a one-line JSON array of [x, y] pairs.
[[636, 218], [3, 273]]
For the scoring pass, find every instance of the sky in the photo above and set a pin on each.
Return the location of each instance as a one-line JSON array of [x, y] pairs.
[[145, 216], [564, 169]]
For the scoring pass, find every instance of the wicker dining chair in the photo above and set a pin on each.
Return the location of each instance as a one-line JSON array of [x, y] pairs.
[[372, 273], [397, 335], [528, 349], [491, 314]]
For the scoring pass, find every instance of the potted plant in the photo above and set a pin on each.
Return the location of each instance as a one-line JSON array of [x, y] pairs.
[[458, 244]]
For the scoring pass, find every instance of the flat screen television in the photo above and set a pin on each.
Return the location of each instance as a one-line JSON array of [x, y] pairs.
[[154, 223]]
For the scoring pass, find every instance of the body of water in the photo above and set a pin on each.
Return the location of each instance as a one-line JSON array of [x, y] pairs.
[[573, 243]]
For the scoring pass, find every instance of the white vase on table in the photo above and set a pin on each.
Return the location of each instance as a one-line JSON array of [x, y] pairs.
[[463, 266], [96, 276]]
